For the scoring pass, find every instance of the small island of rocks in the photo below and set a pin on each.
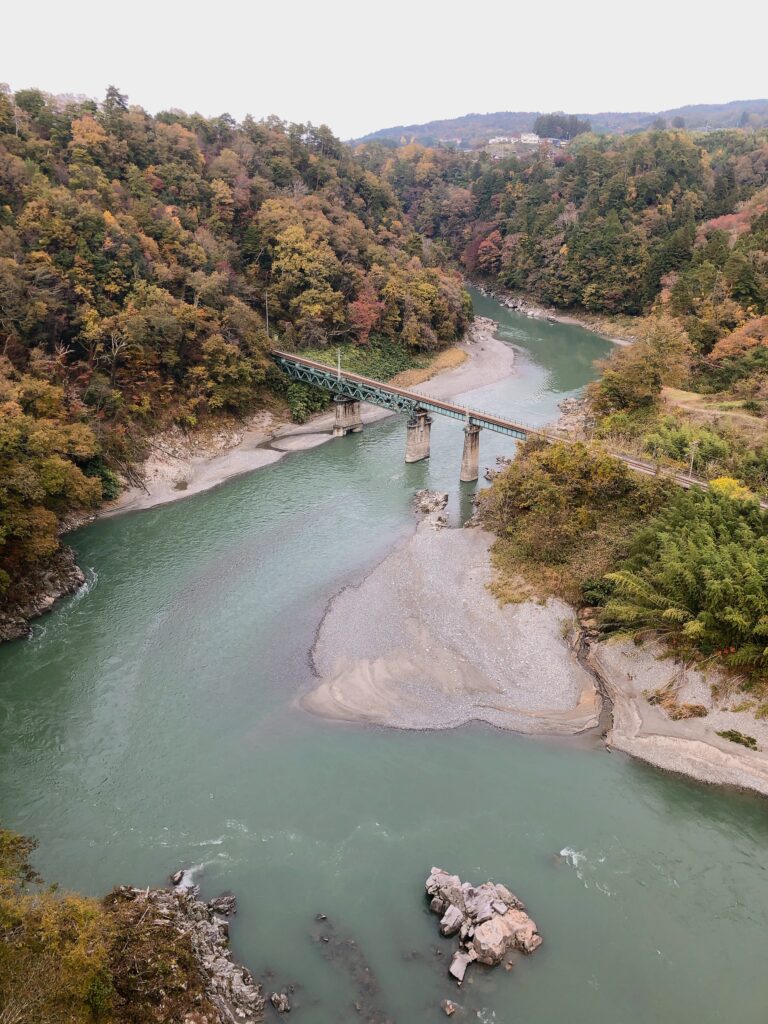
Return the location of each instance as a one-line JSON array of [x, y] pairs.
[[489, 920]]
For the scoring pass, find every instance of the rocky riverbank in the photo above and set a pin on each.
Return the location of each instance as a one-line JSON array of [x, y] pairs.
[[575, 420], [229, 993], [421, 643], [675, 717], [620, 332], [38, 592], [200, 980]]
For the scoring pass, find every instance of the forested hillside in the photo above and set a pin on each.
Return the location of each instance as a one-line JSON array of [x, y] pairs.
[[137, 257], [600, 225]]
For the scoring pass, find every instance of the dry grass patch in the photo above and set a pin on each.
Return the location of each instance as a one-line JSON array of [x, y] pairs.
[[523, 574], [714, 410], [509, 586], [667, 698], [448, 359]]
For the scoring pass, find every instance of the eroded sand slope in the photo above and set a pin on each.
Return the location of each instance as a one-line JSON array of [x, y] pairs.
[[422, 644]]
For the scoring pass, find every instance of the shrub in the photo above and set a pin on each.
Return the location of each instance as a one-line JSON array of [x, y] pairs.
[[679, 441], [304, 400], [751, 405], [738, 737], [54, 948], [730, 488]]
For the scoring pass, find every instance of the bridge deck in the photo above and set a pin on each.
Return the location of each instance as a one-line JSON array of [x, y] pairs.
[[365, 389]]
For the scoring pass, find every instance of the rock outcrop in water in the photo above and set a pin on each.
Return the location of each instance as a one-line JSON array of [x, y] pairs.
[[36, 594], [426, 502], [231, 992], [489, 920]]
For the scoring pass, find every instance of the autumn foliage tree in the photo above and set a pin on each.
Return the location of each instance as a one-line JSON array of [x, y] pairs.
[[365, 312]]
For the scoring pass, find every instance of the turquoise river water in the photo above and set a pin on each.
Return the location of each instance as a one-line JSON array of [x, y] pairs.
[[149, 724]]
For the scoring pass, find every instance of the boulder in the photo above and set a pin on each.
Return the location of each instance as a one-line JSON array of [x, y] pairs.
[[225, 905], [460, 962], [491, 941], [446, 887], [280, 1002], [452, 921], [484, 912], [509, 897], [524, 932], [448, 1007]]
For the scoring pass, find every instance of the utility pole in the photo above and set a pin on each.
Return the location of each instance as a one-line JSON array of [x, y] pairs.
[[338, 364], [693, 455]]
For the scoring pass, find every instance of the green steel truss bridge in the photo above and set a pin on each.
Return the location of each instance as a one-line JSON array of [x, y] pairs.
[[363, 389], [350, 389]]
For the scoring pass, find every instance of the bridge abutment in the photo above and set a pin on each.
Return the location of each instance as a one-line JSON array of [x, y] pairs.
[[470, 458], [348, 419], [417, 437]]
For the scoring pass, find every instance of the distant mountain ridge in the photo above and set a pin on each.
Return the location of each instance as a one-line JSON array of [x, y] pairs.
[[475, 129]]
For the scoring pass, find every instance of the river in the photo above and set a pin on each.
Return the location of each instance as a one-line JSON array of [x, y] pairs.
[[148, 724]]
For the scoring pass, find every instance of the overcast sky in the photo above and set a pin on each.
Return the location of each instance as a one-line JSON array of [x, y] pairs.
[[359, 66]]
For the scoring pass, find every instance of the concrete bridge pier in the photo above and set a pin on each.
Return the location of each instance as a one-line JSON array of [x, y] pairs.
[[470, 459], [417, 437], [348, 419]]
